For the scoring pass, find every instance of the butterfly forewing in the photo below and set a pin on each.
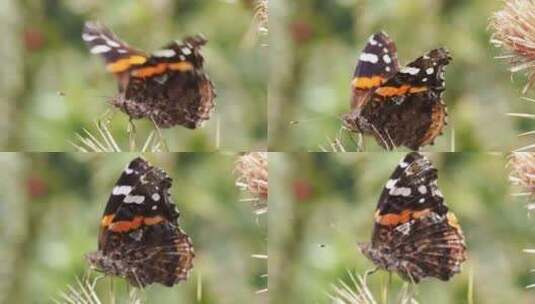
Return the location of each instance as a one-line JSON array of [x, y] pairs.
[[119, 56], [377, 63]]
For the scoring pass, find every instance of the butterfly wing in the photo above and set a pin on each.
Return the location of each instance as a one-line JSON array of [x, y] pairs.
[[171, 87], [432, 246], [408, 108], [412, 221], [120, 58], [140, 236], [378, 62]]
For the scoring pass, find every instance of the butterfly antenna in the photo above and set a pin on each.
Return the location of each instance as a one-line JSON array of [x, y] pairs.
[[296, 122]]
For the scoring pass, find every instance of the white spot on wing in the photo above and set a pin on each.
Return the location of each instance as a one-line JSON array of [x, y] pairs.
[[155, 197], [164, 53], [128, 171], [387, 58], [387, 69], [422, 189], [390, 183], [110, 42], [89, 37], [121, 190], [372, 41], [410, 70], [186, 51], [99, 49], [429, 71], [421, 201], [136, 199], [401, 191], [403, 164], [367, 57]]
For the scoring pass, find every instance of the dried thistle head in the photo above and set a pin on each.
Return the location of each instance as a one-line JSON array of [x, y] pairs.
[[252, 172], [514, 31], [522, 165]]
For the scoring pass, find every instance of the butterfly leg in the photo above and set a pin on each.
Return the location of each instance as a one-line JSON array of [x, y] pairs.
[[370, 272]]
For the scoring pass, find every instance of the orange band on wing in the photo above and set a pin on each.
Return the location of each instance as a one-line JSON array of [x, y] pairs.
[[183, 66], [153, 220], [160, 68], [394, 219], [124, 64], [396, 91], [367, 82], [124, 226], [150, 71], [106, 220]]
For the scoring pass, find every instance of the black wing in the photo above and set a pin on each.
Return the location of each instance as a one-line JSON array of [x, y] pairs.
[[378, 62]]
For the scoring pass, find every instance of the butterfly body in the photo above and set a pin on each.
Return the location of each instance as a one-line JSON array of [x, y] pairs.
[[398, 106]]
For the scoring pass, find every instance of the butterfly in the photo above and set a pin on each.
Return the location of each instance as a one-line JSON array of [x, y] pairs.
[[168, 86], [399, 106], [415, 234], [140, 238]]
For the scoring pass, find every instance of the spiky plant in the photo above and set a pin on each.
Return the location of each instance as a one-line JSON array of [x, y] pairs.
[[522, 166], [103, 140], [358, 292], [84, 292], [252, 172], [259, 22], [514, 31]]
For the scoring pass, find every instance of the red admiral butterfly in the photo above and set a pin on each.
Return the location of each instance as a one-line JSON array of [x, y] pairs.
[[140, 239], [398, 106], [169, 86], [415, 235]]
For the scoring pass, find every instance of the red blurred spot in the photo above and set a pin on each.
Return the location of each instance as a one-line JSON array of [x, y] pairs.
[[33, 39], [302, 190], [36, 187], [301, 31]]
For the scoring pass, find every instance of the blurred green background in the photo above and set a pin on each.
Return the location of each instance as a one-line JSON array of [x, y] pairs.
[[317, 43], [322, 204], [50, 209], [53, 87]]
